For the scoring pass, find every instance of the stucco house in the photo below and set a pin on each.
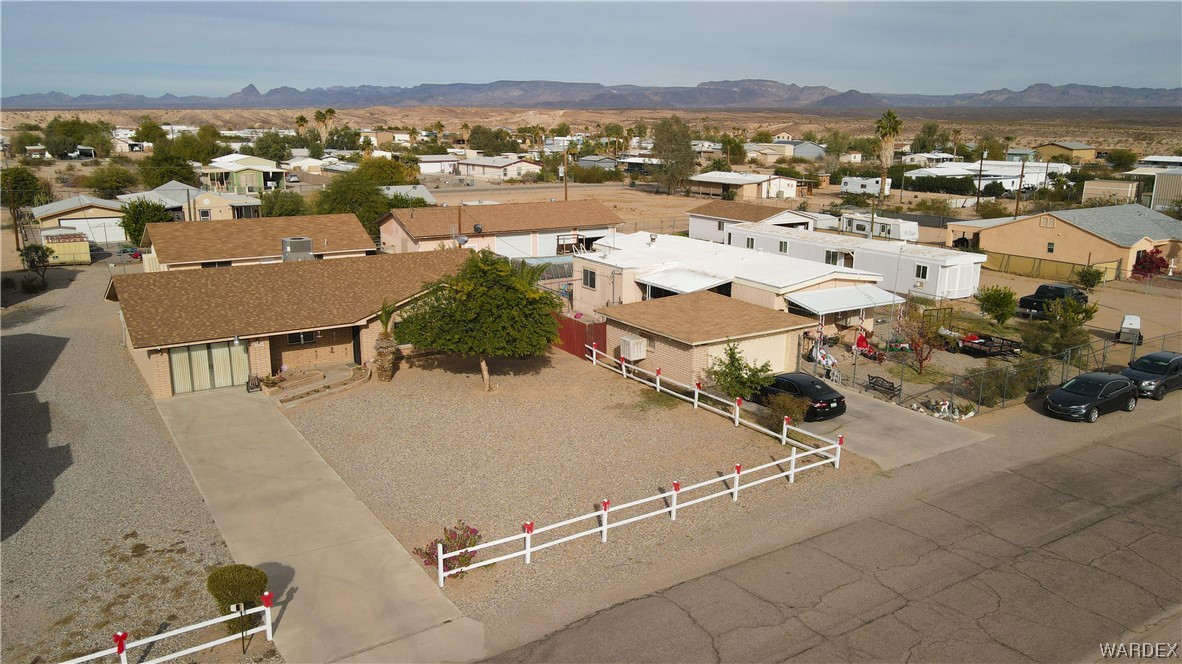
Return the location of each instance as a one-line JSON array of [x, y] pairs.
[[188, 203], [1072, 151], [242, 174], [173, 246], [514, 230], [257, 319], [742, 185], [438, 163], [96, 218], [712, 220], [496, 168], [1053, 245], [684, 333]]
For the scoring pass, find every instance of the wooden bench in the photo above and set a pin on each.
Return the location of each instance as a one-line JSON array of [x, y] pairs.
[[885, 386]]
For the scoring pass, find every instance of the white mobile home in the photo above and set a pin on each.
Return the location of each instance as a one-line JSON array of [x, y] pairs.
[[711, 221], [906, 268], [882, 227], [852, 185]]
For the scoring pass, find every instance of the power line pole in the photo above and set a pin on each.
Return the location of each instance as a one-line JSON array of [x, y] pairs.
[[565, 172], [1018, 194], [980, 171]]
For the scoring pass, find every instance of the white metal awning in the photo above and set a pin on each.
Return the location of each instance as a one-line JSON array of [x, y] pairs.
[[846, 298], [680, 280]]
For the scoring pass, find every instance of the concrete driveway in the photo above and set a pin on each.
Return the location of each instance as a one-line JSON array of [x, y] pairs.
[[345, 588], [891, 435]]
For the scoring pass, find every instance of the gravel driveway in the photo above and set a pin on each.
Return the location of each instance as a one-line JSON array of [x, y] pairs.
[[554, 438], [103, 527]]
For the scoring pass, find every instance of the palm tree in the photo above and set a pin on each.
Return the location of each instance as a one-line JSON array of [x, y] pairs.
[[413, 133], [321, 122], [384, 347], [464, 132], [330, 116], [438, 128], [955, 143], [301, 122], [887, 127]]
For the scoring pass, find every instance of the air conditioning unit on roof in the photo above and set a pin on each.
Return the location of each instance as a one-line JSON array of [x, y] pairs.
[[633, 348]]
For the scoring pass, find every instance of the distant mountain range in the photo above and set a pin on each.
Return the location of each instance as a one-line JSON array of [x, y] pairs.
[[743, 94]]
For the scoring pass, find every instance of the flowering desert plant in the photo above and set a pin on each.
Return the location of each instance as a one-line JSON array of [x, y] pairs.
[[461, 537]]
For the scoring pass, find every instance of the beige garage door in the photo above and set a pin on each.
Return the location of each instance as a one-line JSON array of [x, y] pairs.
[[206, 366]]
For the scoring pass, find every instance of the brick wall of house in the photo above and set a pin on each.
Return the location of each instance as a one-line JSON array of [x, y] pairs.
[[331, 347], [369, 335], [676, 360], [159, 373], [259, 352]]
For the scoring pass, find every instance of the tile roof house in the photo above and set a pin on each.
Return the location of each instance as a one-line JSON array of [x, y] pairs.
[[515, 230], [684, 333], [175, 246], [191, 330], [1054, 245]]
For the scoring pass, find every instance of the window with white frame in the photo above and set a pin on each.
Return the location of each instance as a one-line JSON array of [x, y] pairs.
[[832, 257], [1050, 247], [783, 247], [722, 226], [301, 338], [921, 272], [1047, 222], [589, 279], [203, 215], [750, 243]]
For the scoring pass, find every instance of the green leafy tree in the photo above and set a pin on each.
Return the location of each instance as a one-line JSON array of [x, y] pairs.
[[735, 376], [272, 146], [64, 135], [491, 142], [560, 129], [1090, 277], [763, 136], [836, 142], [22, 141], [887, 129], [733, 148], [717, 164], [138, 214], [149, 131], [164, 165], [994, 189], [111, 181], [385, 172], [19, 188], [640, 130], [36, 258], [487, 309], [343, 138], [998, 302], [1066, 317], [1122, 160], [282, 203], [671, 145], [930, 138], [353, 192]]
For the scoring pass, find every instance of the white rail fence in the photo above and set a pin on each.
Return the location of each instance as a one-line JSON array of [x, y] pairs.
[[525, 544], [122, 645]]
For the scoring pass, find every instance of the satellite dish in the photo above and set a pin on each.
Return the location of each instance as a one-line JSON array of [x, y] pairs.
[[461, 240]]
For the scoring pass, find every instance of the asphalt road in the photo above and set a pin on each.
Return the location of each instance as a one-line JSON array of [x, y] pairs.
[[1043, 561]]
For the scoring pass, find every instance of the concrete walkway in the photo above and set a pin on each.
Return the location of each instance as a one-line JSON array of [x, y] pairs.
[[346, 589]]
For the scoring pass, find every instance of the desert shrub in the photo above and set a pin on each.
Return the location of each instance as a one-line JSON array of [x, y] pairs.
[[999, 382], [458, 538], [1090, 277], [7, 282], [93, 162], [121, 159], [1036, 336], [785, 405], [992, 209], [728, 195], [31, 284], [934, 206], [237, 584], [998, 302]]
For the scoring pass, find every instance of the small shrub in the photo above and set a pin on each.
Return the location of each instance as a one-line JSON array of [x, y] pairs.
[[31, 284], [998, 302], [7, 282], [454, 539], [1036, 336], [237, 584], [934, 206], [1090, 277], [993, 209], [785, 405]]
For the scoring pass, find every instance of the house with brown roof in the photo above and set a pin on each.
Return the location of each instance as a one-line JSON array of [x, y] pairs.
[[176, 246], [514, 230], [713, 220], [683, 333], [193, 330]]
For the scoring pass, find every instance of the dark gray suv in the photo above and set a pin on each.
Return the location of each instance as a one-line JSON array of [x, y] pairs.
[[1156, 373]]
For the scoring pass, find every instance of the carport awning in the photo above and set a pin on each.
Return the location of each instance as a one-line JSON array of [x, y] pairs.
[[681, 281], [846, 298]]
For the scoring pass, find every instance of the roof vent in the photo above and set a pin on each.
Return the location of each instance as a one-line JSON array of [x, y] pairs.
[[297, 249], [477, 228]]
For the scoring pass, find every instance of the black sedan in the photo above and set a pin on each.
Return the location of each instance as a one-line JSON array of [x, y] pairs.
[[1087, 395], [1156, 373], [824, 401]]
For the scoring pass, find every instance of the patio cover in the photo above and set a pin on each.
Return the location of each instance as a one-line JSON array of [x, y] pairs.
[[846, 298], [680, 280]]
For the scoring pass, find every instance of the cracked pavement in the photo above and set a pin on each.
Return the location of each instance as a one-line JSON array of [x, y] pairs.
[[1039, 563]]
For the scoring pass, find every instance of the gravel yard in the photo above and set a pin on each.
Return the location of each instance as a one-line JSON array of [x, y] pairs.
[[554, 438], [103, 527]]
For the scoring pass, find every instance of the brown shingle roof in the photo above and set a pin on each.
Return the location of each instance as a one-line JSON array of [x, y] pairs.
[[703, 317], [193, 306], [737, 211], [190, 242], [509, 218]]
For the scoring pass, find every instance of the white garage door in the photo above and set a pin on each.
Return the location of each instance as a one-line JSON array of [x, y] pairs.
[[104, 230], [514, 246]]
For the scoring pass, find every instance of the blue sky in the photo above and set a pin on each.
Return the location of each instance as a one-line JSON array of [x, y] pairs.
[[210, 48]]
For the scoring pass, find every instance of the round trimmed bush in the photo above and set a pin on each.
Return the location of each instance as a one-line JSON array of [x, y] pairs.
[[237, 584]]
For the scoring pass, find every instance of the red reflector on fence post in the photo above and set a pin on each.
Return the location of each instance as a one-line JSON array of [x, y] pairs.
[[268, 599], [528, 527], [606, 504], [697, 388], [837, 457], [840, 439], [120, 639], [735, 491], [673, 503], [738, 405]]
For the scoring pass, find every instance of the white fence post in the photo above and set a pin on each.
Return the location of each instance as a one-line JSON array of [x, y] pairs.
[[439, 560], [606, 504], [735, 491], [784, 431], [594, 353], [658, 380], [268, 599], [528, 526], [623, 367], [837, 458], [120, 639], [676, 490], [792, 467], [738, 403], [697, 388]]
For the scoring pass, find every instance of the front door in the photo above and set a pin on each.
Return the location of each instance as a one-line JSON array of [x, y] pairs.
[[357, 345]]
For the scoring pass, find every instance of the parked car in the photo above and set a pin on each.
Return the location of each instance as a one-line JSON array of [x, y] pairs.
[[292, 177], [129, 252], [1088, 395], [1036, 304], [824, 401], [1156, 373]]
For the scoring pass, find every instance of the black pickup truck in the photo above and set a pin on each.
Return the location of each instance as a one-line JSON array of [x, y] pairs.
[[1035, 305]]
